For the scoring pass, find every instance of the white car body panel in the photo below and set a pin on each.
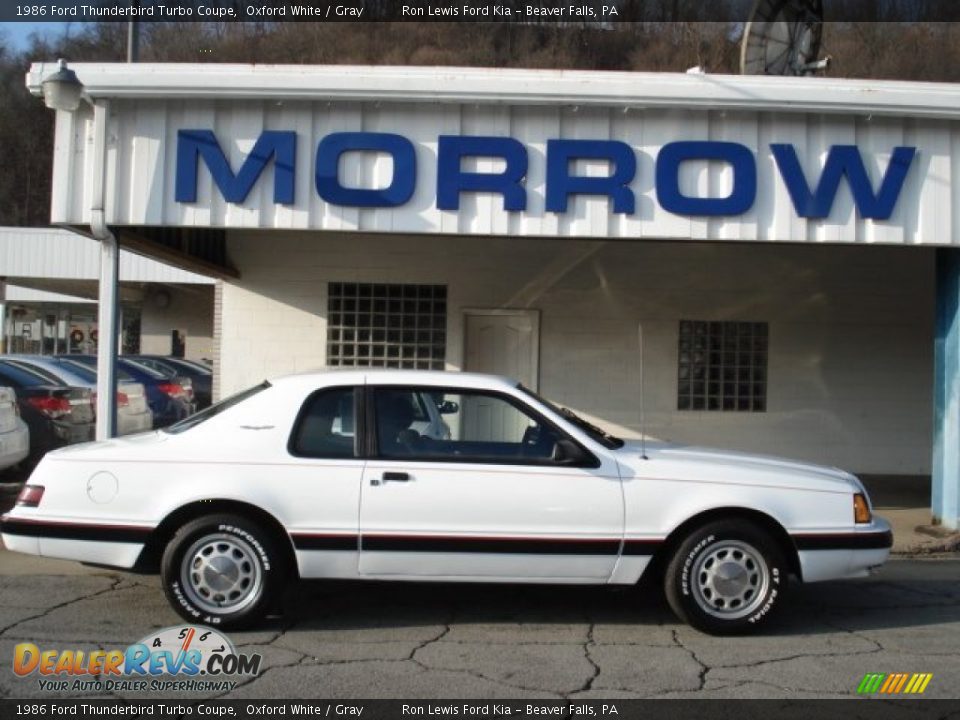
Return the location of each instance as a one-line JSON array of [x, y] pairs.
[[553, 523], [14, 433], [444, 502]]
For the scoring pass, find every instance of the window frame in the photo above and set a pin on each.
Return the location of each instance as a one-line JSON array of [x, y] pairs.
[[359, 422], [756, 401], [406, 320], [591, 461]]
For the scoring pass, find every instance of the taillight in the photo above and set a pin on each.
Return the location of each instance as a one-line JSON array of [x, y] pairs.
[[53, 407], [861, 510], [174, 390], [30, 496]]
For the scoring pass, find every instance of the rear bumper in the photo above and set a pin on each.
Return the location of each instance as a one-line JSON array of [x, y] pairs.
[[71, 433], [112, 545], [833, 556], [14, 446], [128, 424]]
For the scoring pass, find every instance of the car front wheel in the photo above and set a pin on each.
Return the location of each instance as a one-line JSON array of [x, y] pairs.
[[222, 570], [726, 577]]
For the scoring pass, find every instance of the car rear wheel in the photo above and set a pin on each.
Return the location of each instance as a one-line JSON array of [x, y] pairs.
[[726, 577], [222, 570]]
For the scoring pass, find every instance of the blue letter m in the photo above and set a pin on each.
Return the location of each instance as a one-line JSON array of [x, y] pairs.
[[843, 160], [194, 144]]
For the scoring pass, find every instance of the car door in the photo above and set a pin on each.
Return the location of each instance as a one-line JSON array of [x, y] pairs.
[[497, 500], [321, 487]]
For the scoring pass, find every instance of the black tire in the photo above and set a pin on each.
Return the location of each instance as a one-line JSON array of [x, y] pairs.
[[235, 576], [726, 577]]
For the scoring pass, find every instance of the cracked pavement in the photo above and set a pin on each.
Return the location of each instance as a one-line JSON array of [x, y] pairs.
[[378, 640]]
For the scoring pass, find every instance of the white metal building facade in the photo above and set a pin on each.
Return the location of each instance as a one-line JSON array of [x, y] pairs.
[[51, 278], [788, 246]]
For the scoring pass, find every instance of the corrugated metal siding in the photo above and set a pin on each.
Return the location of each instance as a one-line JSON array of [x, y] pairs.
[[143, 146], [56, 253], [22, 294]]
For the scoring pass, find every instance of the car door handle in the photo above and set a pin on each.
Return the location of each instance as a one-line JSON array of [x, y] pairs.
[[396, 477]]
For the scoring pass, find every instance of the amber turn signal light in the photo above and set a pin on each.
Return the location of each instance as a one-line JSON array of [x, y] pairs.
[[861, 509]]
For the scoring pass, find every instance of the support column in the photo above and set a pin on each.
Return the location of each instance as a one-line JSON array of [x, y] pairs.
[[3, 317], [108, 304], [945, 498]]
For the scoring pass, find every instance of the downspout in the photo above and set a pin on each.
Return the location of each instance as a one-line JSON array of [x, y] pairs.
[[109, 278]]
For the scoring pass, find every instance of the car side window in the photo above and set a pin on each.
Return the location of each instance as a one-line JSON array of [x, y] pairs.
[[326, 427], [474, 425]]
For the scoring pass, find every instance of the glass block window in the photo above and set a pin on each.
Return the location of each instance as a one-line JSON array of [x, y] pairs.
[[722, 366], [379, 325]]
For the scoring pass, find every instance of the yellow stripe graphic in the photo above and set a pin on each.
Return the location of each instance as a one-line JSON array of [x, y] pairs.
[[914, 682], [926, 681]]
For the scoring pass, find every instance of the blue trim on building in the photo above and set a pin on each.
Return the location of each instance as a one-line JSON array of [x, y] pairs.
[[945, 498]]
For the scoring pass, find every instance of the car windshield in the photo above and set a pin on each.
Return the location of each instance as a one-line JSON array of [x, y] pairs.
[[43, 373], [601, 436], [89, 372], [188, 365], [216, 409], [152, 366], [19, 376]]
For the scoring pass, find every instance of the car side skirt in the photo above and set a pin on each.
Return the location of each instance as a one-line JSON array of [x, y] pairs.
[[823, 556]]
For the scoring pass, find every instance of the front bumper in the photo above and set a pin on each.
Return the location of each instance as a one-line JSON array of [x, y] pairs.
[[834, 556]]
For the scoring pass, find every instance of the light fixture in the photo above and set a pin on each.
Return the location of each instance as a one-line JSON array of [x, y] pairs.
[[62, 90], [161, 299]]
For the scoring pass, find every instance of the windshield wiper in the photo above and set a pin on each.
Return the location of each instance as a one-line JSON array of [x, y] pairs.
[[590, 427]]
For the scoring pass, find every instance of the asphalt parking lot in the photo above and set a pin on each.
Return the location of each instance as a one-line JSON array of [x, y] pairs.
[[458, 641]]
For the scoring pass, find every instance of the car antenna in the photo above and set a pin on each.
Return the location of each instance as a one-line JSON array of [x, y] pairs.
[[643, 426]]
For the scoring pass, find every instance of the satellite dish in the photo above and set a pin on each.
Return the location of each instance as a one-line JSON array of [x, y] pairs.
[[783, 38]]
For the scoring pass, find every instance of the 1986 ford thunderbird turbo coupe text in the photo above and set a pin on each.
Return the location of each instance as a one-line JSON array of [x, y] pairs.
[[403, 475]]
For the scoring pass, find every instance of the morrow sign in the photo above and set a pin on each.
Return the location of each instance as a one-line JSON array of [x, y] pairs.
[[811, 197]]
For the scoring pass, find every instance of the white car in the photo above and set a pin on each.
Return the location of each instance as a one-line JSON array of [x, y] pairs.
[[14, 434], [239, 499]]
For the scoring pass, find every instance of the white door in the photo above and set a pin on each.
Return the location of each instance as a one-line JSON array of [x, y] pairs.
[[503, 342], [499, 342], [494, 501]]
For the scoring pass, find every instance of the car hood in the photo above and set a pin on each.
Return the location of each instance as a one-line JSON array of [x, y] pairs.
[[704, 463]]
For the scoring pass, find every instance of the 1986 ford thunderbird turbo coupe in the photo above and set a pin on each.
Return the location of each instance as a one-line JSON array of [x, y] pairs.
[[411, 475]]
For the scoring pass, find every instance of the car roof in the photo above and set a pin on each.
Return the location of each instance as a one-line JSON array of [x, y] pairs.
[[390, 376]]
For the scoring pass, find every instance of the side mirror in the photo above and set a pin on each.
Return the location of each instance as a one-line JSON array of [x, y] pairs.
[[569, 453], [448, 407]]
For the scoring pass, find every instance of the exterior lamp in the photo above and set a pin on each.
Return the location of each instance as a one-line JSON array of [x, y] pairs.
[[62, 90]]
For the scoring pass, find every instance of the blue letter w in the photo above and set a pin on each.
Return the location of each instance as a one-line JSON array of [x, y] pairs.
[[843, 160], [194, 144]]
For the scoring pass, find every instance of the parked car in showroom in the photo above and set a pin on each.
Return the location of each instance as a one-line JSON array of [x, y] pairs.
[[169, 399], [56, 414], [260, 489], [14, 434], [133, 414], [200, 375]]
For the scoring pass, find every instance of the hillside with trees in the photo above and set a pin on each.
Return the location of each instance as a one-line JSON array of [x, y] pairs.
[[647, 39]]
